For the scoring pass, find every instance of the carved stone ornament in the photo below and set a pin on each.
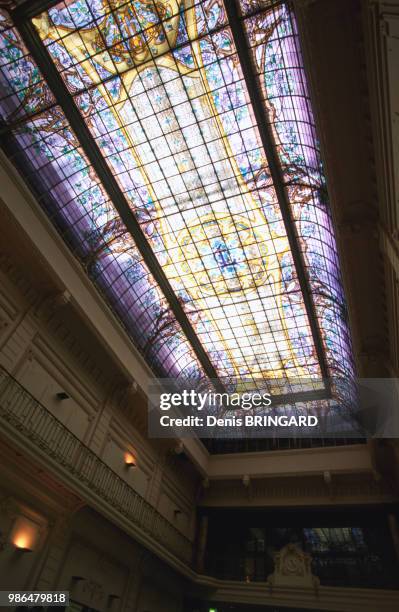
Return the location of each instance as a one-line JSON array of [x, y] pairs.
[[89, 591], [292, 568]]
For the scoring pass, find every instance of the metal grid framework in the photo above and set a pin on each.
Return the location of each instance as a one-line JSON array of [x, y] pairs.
[[174, 147]]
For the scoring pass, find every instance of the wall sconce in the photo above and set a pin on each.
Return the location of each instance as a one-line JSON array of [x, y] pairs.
[[62, 395], [130, 461], [25, 534]]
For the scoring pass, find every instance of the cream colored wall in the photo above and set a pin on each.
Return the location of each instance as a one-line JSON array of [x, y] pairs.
[[114, 572], [18, 568], [79, 551], [42, 349]]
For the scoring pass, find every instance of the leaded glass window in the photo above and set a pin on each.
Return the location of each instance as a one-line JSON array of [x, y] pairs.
[[162, 93]]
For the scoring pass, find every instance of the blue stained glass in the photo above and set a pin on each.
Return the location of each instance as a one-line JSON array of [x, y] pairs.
[[23, 90], [75, 201], [161, 90], [273, 37]]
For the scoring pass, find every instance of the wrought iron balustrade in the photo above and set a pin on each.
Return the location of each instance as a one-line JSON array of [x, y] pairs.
[[252, 445], [20, 410], [347, 547]]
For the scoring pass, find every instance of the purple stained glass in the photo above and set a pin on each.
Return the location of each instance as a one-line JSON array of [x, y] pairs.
[[69, 190], [273, 38], [23, 89], [161, 90]]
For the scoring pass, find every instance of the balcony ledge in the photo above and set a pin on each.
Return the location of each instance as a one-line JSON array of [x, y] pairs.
[[339, 599], [349, 459]]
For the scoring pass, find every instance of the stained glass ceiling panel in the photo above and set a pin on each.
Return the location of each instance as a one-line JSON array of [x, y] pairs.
[[161, 89], [47, 151]]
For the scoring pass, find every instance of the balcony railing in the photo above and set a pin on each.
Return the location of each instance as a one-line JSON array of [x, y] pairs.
[[252, 445], [20, 410]]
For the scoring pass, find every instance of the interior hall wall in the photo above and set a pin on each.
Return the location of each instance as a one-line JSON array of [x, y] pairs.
[[43, 347]]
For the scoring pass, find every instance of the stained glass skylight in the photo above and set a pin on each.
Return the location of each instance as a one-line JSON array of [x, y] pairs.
[[160, 87]]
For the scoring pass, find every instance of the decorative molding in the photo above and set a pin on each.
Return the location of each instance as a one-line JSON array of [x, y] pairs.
[[340, 599], [94, 590], [384, 26], [61, 269], [8, 302], [307, 490], [177, 496], [55, 365], [52, 303], [390, 246], [292, 569], [109, 493], [127, 392], [53, 331], [62, 523], [70, 343], [180, 479]]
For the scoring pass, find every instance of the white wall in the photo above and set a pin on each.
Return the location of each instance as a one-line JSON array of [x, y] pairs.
[[49, 350]]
